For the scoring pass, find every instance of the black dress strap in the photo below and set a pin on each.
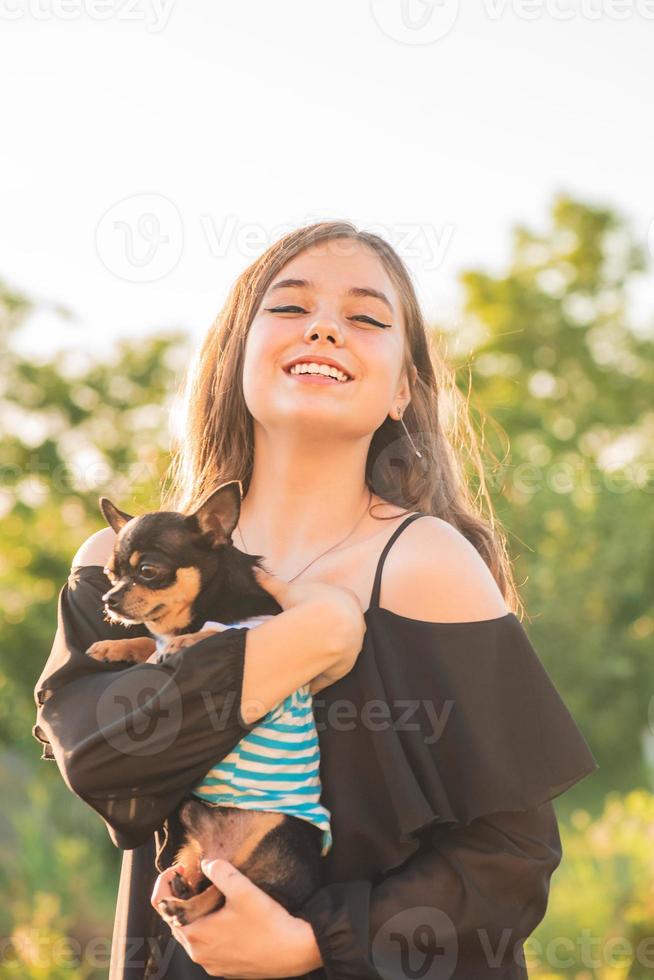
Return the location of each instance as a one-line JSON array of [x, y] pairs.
[[376, 588]]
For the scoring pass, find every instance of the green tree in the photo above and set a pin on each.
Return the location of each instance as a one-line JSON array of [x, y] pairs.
[[72, 429], [569, 383]]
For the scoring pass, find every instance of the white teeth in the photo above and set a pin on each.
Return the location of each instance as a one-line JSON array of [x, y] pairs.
[[314, 368]]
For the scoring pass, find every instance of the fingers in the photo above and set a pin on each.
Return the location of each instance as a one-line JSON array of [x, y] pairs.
[[269, 582], [162, 887]]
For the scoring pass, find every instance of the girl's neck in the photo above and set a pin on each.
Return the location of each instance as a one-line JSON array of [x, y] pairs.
[[304, 496], [288, 529]]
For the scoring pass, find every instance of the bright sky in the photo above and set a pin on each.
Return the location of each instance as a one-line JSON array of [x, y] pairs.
[[154, 147]]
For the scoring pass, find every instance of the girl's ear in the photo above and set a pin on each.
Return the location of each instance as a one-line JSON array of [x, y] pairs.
[[403, 393]]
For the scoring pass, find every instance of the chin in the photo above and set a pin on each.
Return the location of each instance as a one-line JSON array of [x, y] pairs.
[[116, 617]]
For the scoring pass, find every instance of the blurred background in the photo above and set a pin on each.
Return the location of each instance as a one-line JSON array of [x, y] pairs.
[[152, 150]]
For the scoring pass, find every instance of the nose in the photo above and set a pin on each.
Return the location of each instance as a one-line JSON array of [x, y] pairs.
[[324, 328]]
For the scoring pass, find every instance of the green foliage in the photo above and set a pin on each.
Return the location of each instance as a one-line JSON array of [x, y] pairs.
[[73, 429], [600, 918], [58, 876], [569, 385]]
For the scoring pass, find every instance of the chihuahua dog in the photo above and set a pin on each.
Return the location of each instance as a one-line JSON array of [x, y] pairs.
[[174, 573]]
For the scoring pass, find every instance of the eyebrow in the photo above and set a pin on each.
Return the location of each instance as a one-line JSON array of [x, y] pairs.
[[353, 291]]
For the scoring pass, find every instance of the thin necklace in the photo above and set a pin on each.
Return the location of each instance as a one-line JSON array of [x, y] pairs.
[[324, 552]]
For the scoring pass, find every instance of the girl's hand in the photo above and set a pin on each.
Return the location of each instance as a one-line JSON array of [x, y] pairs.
[[251, 937], [289, 594], [345, 604]]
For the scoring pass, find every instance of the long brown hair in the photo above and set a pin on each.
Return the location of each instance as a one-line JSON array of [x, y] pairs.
[[216, 442]]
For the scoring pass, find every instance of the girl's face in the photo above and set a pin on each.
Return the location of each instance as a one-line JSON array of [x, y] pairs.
[[334, 300]]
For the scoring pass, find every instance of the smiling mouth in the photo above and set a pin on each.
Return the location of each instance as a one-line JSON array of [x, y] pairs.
[[316, 374]]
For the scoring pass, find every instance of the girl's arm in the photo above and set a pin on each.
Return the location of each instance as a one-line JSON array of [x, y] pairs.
[[132, 741], [317, 639]]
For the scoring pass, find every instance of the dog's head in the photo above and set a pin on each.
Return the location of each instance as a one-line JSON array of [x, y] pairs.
[[163, 561]]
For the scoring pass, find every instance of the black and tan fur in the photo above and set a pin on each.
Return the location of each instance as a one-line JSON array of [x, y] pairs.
[[201, 576]]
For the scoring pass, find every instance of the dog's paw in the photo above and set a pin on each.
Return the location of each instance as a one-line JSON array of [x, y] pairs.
[[178, 643], [180, 887], [171, 912], [107, 650], [181, 912], [132, 651]]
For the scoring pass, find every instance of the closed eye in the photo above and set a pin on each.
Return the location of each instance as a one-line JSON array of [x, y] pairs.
[[370, 319], [298, 309]]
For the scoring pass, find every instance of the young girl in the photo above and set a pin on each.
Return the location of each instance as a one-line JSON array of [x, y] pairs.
[[442, 738]]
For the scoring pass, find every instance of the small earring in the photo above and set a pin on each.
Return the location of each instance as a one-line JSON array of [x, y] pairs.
[[400, 419]]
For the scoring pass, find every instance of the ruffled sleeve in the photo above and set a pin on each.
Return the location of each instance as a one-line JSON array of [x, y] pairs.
[[441, 752], [439, 723], [459, 908], [131, 741]]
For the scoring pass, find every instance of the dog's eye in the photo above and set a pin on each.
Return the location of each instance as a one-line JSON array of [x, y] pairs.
[[148, 572]]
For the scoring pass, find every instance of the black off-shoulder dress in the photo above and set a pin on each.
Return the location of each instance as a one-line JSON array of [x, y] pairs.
[[441, 751]]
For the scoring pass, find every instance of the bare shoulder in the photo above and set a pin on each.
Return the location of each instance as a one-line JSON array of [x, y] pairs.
[[96, 549], [433, 573]]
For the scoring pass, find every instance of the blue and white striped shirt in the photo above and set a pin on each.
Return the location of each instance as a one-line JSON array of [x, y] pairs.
[[276, 765]]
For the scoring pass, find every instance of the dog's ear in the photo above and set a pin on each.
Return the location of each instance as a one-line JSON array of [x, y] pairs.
[[115, 518], [218, 514]]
